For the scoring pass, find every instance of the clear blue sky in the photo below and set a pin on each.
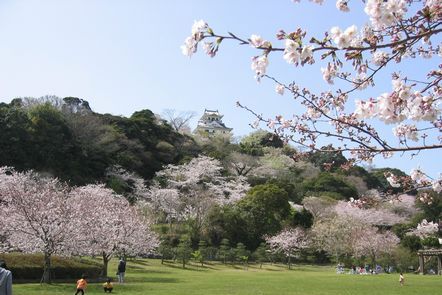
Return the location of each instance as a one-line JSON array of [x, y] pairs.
[[123, 56]]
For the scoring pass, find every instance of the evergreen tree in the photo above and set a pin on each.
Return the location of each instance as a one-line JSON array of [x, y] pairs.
[[224, 249], [261, 254], [242, 254], [184, 250], [202, 248]]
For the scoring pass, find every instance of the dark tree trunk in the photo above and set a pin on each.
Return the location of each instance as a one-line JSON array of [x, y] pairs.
[[47, 269], [106, 259]]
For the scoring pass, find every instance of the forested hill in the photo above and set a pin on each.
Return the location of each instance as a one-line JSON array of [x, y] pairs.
[[64, 138]]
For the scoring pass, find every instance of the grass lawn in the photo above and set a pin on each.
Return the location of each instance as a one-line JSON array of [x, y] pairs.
[[150, 277]]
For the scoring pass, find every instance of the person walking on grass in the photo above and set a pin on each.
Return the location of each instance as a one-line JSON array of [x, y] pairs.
[[121, 270], [81, 285], [401, 279], [5, 279]]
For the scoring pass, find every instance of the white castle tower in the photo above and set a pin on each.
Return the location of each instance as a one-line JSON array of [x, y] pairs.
[[210, 123]]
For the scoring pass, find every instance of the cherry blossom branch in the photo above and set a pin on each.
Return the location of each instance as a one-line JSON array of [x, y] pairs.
[[397, 26], [417, 37]]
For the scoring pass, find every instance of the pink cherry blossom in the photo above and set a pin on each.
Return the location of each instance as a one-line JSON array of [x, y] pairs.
[[289, 242], [259, 65], [372, 243], [113, 225], [329, 73], [307, 53], [437, 184], [373, 216], [425, 229], [193, 188], [392, 180], [279, 89], [417, 175], [258, 41], [385, 13], [291, 52], [342, 5], [406, 132], [345, 38], [37, 215], [191, 43], [380, 58]]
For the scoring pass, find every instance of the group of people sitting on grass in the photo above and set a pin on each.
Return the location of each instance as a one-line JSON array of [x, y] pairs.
[[363, 270]]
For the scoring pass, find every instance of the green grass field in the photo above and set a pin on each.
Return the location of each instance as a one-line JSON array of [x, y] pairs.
[[150, 277]]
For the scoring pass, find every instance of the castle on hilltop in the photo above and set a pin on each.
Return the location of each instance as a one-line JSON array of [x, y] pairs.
[[210, 123]]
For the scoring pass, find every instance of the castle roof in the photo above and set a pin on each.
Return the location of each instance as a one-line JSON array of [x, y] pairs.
[[211, 120], [213, 124]]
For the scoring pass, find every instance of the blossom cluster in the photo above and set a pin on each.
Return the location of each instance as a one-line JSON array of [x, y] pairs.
[[289, 241], [393, 180], [425, 229], [343, 235], [345, 38], [406, 132], [294, 53], [380, 58], [342, 5], [426, 198], [385, 13], [401, 104], [329, 73], [191, 43], [259, 66], [417, 180], [191, 189], [374, 216], [436, 184], [372, 242]]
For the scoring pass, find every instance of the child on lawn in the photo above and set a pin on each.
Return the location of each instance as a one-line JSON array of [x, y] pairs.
[[81, 285], [108, 287], [401, 279]]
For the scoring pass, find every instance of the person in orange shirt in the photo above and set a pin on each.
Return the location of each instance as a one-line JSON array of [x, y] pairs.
[[81, 285]]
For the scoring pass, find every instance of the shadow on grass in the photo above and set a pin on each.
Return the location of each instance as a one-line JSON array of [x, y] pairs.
[[238, 266], [154, 280], [148, 271], [204, 267], [188, 267], [274, 267], [207, 264], [142, 262]]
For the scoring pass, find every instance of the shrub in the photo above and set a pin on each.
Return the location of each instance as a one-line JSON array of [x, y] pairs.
[[29, 267]]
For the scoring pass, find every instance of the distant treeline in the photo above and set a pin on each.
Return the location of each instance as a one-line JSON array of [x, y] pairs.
[[66, 139]]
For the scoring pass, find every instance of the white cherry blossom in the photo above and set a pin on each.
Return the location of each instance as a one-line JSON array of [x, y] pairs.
[[291, 52], [380, 58], [342, 5], [279, 88], [259, 66]]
